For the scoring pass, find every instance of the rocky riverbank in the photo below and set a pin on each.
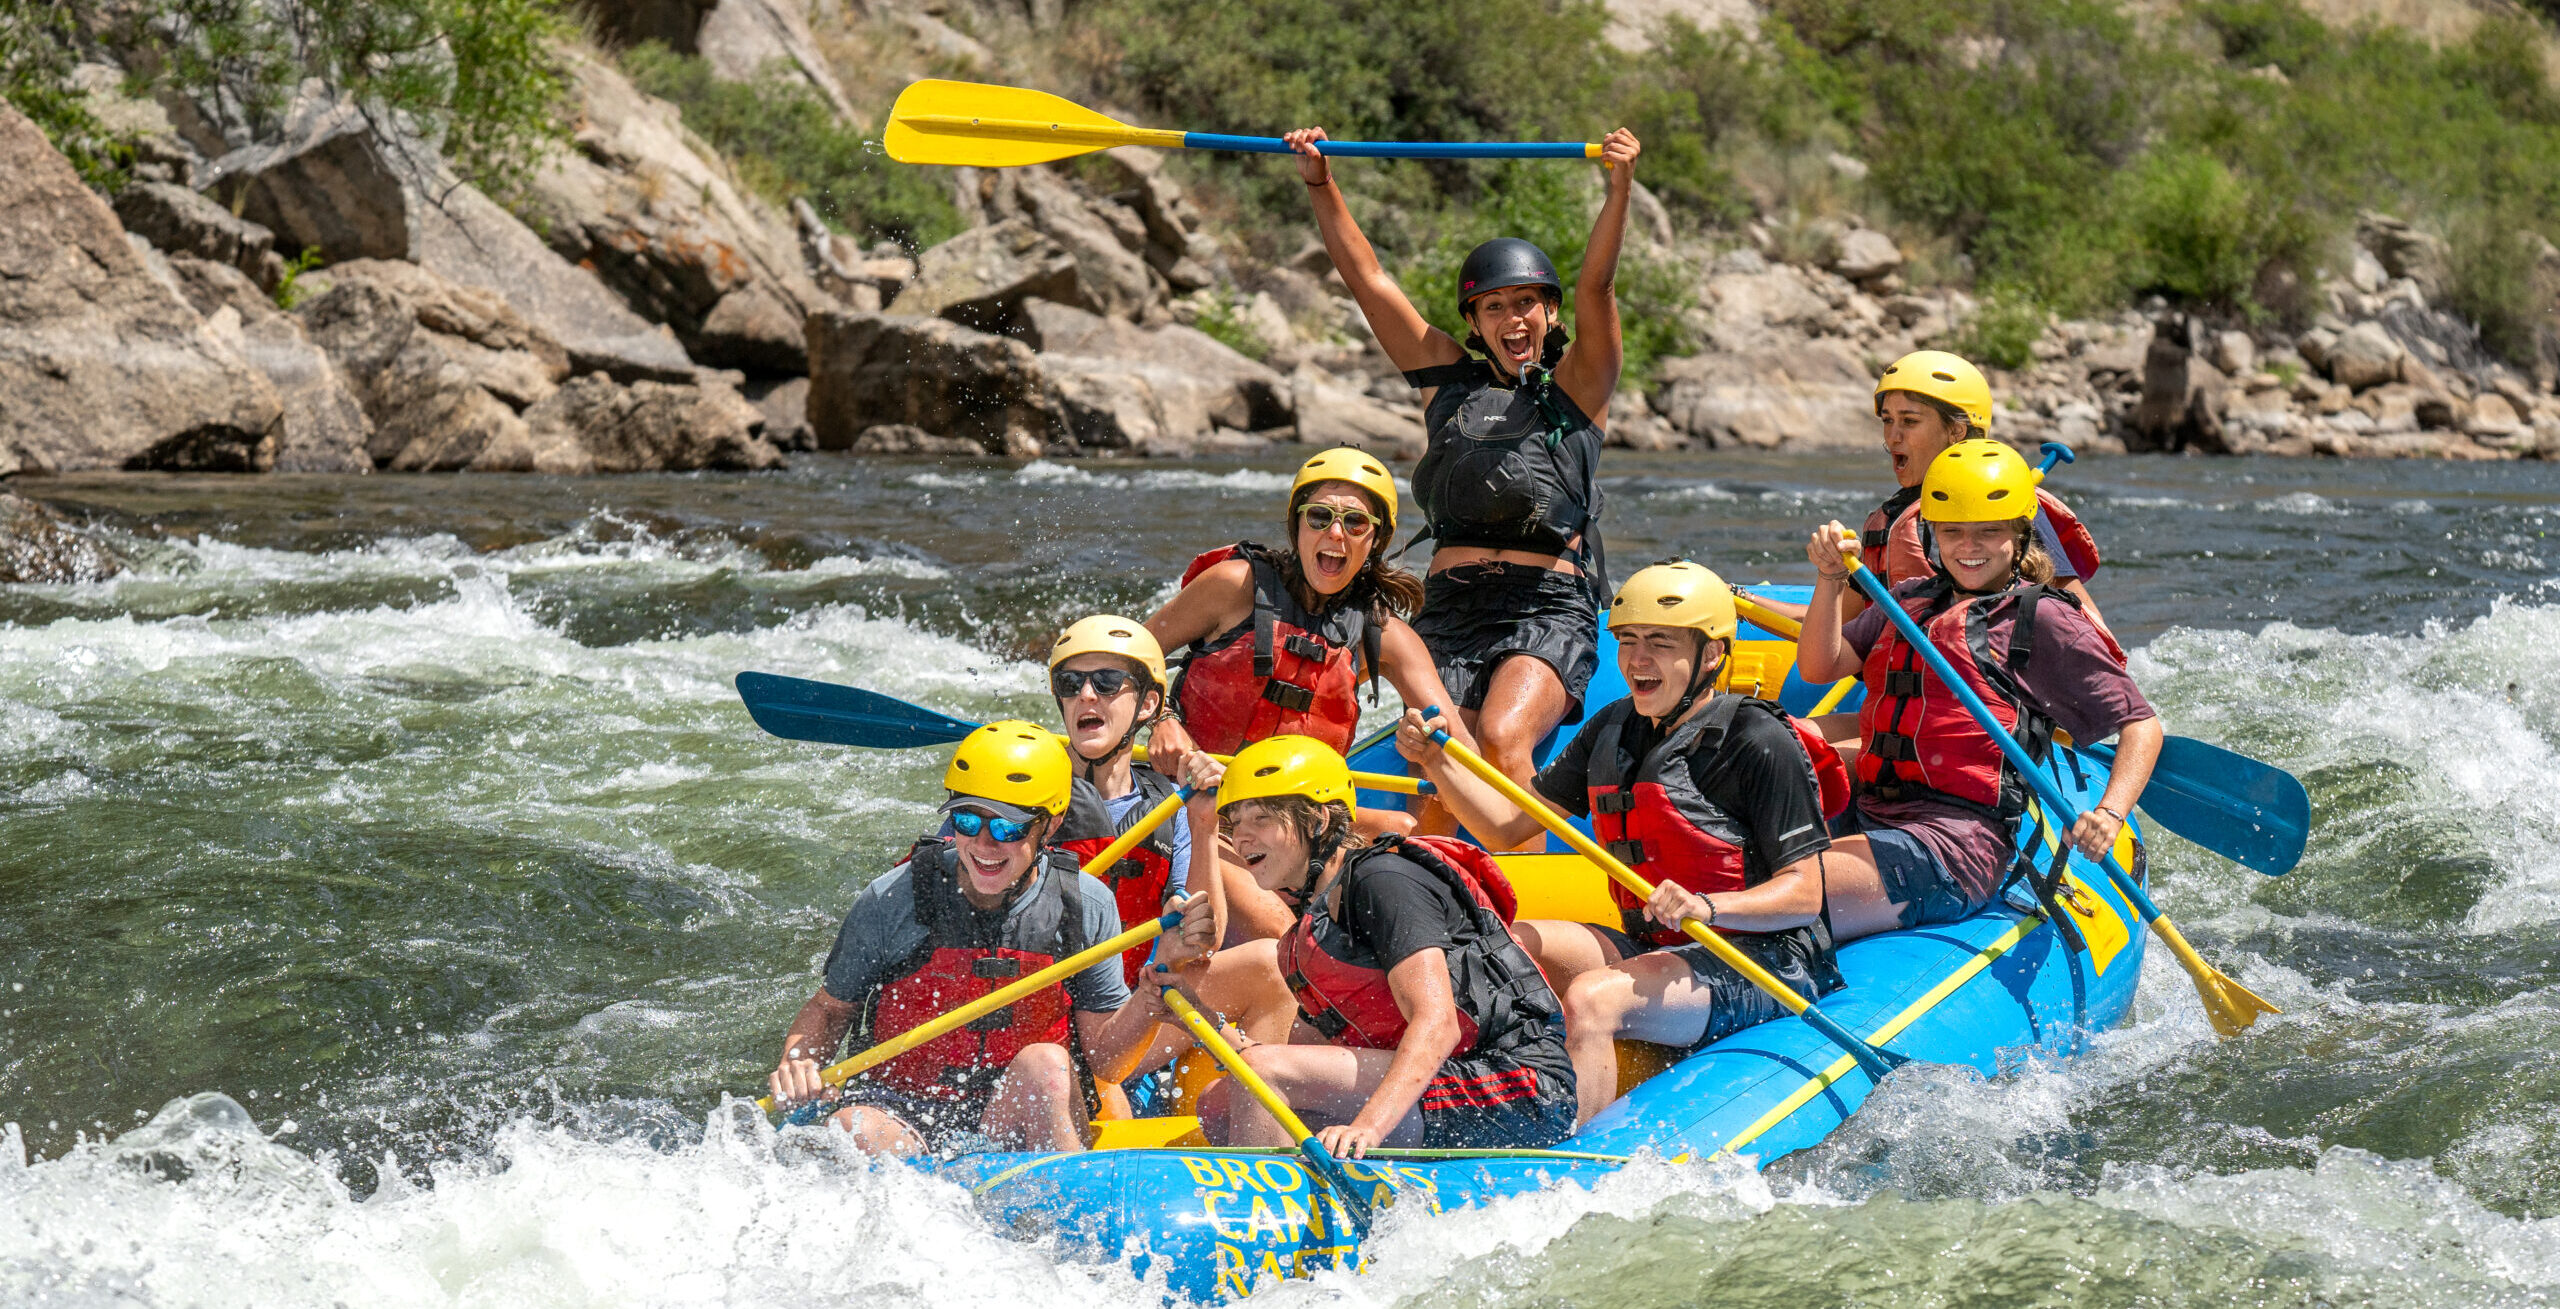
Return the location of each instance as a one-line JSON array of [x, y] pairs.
[[640, 307]]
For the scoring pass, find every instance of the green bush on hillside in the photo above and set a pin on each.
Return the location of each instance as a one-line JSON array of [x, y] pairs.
[[35, 74], [788, 144]]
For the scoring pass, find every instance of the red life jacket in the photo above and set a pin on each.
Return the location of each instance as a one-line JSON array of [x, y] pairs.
[[2079, 549], [966, 954], [1502, 998], [1920, 741], [1651, 815], [1142, 878], [1297, 674], [1878, 532]]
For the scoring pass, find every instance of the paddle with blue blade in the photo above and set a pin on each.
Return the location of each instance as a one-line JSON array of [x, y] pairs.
[[2255, 814], [798, 709]]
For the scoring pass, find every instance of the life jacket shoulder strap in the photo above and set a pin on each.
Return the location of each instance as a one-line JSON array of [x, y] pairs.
[[1890, 513]]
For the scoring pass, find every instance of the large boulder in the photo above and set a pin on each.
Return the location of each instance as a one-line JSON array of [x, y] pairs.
[[1235, 391], [340, 181], [325, 429], [38, 545], [597, 425], [981, 277], [2364, 355], [667, 225], [1864, 254], [101, 364], [868, 370], [1757, 305], [182, 222], [1330, 413], [2182, 393], [1103, 236], [445, 372], [750, 40], [1809, 393], [2422, 257]]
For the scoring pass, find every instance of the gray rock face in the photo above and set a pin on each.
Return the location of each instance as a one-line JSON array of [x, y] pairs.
[[444, 371], [904, 439], [980, 278], [1233, 391], [597, 425], [101, 365], [676, 24], [1814, 393], [1111, 276], [325, 428], [745, 40], [866, 370], [181, 222], [1865, 254], [1331, 413], [785, 406], [2181, 394], [357, 189], [2364, 355], [2422, 257], [673, 233], [37, 545]]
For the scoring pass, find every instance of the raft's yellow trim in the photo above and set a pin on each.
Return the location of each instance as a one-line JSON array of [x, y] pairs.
[[1011, 1173], [1892, 1028]]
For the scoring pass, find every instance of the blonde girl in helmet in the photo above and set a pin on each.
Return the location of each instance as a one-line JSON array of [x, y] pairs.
[[942, 928], [1937, 806], [1396, 1009], [1926, 401], [1283, 642], [1719, 799]]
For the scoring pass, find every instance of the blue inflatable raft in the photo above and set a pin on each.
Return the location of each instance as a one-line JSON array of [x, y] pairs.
[[1214, 1222]]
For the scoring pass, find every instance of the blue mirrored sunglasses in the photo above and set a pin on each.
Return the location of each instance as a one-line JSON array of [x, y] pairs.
[[968, 822]]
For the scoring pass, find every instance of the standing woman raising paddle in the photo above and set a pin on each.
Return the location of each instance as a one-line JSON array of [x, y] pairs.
[[1509, 485]]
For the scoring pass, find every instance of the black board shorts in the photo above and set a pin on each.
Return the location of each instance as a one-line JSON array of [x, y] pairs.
[[1496, 1102], [1474, 616]]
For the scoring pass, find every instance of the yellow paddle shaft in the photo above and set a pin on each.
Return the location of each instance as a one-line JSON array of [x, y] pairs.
[[1029, 129], [1372, 781], [1205, 1033], [1773, 621], [1625, 876], [837, 1074]]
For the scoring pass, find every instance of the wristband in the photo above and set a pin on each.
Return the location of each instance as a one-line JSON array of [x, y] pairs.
[[1709, 902], [1318, 186], [2102, 809]]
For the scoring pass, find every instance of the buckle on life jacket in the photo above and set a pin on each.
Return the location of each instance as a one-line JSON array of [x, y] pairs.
[[1902, 683], [1289, 695], [1894, 747], [1614, 802], [1628, 852], [1305, 647], [994, 1022], [995, 967]]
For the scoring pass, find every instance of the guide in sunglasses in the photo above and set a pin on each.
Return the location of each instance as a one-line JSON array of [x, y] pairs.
[[1278, 642], [993, 899]]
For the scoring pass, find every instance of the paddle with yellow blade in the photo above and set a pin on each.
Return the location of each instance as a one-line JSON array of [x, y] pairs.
[[838, 1074], [2231, 1006], [1877, 1062], [943, 122], [798, 709], [1320, 1161]]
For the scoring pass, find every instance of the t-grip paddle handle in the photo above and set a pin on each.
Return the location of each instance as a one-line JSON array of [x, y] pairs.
[[1876, 1062], [2055, 452]]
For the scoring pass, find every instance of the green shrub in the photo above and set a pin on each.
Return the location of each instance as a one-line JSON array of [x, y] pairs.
[[2003, 331], [2493, 282], [1220, 320], [2201, 231], [788, 145], [35, 70], [288, 293]]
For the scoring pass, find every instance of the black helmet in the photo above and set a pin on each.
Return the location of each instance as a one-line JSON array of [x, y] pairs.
[[1505, 261]]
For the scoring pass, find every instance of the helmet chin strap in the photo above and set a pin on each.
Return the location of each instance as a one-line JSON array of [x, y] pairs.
[[1127, 739], [1700, 679]]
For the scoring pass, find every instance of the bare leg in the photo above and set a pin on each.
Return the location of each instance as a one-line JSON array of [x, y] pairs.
[[1854, 889], [1522, 703], [1036, 1106], [1325, 1084], [1652, 997], [1242, 984], [876, 1131], [1564, 950], [1375, 823]]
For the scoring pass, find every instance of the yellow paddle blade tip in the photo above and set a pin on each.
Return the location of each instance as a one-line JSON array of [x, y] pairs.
[[911, 138]]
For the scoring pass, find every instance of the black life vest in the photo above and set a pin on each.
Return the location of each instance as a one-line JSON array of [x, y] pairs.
[[968, 952], [1649, 812], [1284, 671], [1502, 998], [1138, 882], [1510, 468]]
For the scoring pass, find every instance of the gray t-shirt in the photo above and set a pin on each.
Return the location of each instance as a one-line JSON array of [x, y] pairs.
[[881, 932]]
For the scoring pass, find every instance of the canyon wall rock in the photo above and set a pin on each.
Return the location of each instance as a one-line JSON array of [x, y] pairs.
[[868, 370]]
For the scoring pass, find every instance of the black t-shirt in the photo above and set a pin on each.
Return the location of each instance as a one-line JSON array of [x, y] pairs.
[[1758, 778], [1393, 909]]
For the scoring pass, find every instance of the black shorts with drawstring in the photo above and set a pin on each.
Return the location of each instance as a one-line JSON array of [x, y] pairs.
[[1474, 616]]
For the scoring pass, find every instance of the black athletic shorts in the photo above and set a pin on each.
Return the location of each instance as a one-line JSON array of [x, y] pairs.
[[1496, 1102], [1476, 615], [1737, 1003]]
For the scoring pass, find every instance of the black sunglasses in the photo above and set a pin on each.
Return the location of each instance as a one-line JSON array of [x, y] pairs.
[[967, 822], [1068, 683], [1355, 522]]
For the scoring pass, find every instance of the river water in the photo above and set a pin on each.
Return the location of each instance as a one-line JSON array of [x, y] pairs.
[[391, 887]]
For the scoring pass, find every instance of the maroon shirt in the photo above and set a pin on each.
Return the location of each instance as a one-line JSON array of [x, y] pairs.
[[2073, 679]]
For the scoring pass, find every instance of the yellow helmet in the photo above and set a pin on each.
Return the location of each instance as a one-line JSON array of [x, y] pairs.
[[1016, 765], [1346, 464], [1978, 481], [1288, 765], [1675, 594], [1942, 377], [1112, 635]]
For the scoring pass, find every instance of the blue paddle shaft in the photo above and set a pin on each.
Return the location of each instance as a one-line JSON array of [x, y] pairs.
[[2059, 808], [2055, 452], [1272, 145]]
